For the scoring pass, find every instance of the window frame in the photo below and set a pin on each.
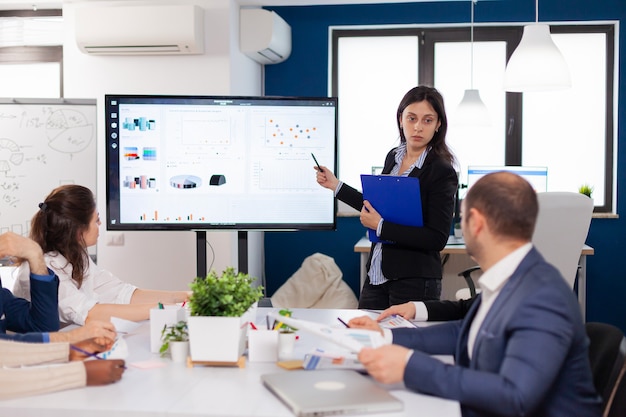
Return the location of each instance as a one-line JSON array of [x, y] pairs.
[[33, 54], [511, 34]]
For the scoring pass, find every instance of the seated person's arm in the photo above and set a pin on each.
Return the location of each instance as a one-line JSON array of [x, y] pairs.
[[156, 296], [132, 312]]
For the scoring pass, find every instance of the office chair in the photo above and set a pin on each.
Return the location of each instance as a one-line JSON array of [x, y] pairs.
[[607, 357], [560, 233]]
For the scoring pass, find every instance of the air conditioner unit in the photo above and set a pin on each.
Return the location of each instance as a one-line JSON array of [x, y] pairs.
[[140, 30], [264, 36]]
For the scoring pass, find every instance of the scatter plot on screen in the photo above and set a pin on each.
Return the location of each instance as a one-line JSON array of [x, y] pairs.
[[296, 131]]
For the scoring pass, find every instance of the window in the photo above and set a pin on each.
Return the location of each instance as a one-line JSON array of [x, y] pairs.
[[531, 129], [31, 54]]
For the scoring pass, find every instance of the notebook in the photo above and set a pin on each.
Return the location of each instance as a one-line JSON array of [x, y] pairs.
[[330, 392]]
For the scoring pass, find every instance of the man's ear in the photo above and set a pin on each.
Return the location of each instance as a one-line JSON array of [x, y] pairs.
[[476, 221]]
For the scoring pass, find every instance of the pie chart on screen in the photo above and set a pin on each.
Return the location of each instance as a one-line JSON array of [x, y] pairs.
[[185, 181]]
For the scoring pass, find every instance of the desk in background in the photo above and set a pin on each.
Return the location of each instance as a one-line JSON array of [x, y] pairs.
[[175, 390], [363, 247]]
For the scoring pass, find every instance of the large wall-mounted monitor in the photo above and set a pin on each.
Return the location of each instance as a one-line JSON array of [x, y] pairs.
[[209, 162], [536, 176]]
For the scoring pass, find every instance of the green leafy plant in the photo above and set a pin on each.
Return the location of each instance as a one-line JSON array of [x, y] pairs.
[[282, 327], [586, 189], [173, 333], [228, 295]]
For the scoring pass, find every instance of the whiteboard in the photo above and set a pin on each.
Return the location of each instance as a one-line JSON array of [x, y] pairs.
[[43, 143]]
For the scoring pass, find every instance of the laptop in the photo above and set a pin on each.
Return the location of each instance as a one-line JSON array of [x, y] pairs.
[[330, 392]]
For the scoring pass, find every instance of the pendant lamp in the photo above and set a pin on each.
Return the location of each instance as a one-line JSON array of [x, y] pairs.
[[471, 111], [536, 64]]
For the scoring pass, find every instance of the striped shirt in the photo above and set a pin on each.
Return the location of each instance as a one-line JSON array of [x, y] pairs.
[[376, 272]]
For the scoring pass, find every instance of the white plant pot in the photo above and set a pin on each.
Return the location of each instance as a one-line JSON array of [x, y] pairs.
[[179, 351], [217, 339], [286, 343]]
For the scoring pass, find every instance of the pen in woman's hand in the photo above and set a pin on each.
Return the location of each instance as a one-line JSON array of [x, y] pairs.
[[84, 352], [317, 163], [342, 322]]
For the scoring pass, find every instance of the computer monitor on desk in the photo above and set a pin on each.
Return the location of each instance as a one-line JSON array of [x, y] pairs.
[[536, 176]]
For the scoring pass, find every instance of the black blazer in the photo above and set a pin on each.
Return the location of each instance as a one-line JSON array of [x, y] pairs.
[[415, 251], [447, 310]]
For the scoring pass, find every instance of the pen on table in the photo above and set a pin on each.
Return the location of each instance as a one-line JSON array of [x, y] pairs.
[[84, 352], [317, 163], [343, 322]]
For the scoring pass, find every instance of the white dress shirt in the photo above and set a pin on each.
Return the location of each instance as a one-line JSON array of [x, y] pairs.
[[491, 282]]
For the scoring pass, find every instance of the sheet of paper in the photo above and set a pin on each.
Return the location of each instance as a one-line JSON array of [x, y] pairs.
[[395, 321], [123, 326], [352, 339]]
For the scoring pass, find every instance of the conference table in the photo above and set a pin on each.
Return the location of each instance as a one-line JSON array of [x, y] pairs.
[[454, 247], [155, 386]]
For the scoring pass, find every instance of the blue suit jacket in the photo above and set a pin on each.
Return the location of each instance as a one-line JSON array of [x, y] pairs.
[[530, 356], [28, 319]]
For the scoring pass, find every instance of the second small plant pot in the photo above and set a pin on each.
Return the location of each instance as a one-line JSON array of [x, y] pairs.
[[286, 343], [179, 351]]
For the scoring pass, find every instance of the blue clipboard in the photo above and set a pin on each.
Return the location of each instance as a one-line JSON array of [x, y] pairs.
[[397, 199]]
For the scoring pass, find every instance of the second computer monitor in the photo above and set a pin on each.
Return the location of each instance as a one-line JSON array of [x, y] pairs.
[[536, 176]]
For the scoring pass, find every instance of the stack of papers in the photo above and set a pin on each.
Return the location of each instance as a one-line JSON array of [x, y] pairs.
[[351, 339]]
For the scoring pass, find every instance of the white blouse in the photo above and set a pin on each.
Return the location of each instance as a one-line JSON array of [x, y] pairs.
[[99, 286]]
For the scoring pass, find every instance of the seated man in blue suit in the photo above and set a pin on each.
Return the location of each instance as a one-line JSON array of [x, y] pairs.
[[521, 350], [33, 321]]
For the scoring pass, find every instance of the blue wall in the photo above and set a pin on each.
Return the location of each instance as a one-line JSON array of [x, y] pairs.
[[305, 73]]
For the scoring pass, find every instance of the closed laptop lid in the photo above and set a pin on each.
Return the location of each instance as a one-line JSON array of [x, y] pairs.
[[330, 392]]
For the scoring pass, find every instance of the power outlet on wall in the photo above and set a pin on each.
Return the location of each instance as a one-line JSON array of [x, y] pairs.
[[115, 239]]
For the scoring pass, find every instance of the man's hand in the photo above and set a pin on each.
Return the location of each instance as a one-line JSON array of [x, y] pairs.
[[385, 364], [104, 372], [365, 322], [23, 248], [406, 310]]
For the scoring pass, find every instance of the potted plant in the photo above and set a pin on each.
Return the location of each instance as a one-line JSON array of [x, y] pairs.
[[586, 189], [175, 339], [458, 232], [220, 308], [286, 337]]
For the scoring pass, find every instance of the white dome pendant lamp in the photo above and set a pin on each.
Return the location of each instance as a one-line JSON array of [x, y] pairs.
[[471, 111], [536, 64]]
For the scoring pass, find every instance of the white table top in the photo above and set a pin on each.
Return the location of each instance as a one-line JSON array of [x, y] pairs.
[[176, 390]]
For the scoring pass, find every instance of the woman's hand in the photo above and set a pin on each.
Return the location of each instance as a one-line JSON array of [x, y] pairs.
[[369, 216], [89, 346], [326, 179], [102, 331]]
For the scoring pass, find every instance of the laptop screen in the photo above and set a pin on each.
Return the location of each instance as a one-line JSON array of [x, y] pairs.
[[536, 176]]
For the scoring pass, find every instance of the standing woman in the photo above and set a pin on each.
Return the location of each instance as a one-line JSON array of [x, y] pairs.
[[409, 268], [65, 225]]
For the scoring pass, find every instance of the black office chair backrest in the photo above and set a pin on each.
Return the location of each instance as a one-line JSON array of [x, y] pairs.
[[607, 356], [616, 403]]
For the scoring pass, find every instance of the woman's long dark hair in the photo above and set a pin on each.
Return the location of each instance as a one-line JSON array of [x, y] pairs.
[[431, 95], [60, 222]]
